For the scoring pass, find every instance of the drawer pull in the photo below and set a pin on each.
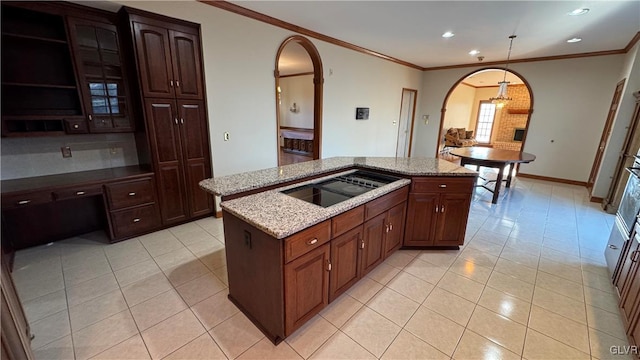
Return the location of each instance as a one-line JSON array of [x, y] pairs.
[[613, 247], [132, 194], [23, 202], [390, 227], [136, 220], [443, 185], [328, 265], [361, 244], [312, 241], [442, 209], [80, 192], [634, 256], [437, 208]]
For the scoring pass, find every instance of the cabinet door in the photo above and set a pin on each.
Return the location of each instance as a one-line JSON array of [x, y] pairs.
[[421, 219], [373, 252], [345, 270], [101, 75], [166, 149], [626, 260], [195, 148], [452, 219], [306, 283], [631, 290], [395, 221], [154, 60], [187, 74]]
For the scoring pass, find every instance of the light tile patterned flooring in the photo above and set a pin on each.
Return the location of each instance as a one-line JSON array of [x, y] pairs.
[[530, 282]]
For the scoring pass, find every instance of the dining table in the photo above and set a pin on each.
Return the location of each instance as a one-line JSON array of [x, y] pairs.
[[493, 158]]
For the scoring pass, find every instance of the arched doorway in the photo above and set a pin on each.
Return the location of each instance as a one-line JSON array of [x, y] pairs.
[[467, 106], [298, 83]]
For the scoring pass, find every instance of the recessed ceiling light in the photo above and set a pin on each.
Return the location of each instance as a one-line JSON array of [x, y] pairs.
[[474, 52], [448, 34], [578, 11], [574, 40]]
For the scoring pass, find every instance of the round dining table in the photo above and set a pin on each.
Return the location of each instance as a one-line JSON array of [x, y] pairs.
[[493, 158]]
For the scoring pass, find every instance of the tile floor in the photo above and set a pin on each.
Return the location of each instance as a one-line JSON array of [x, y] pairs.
[[530, 282]]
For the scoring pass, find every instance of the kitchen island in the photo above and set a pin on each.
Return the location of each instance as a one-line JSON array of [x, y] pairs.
[[288, 258]]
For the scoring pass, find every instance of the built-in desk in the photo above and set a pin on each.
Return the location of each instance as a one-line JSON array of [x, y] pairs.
[[42, 209]]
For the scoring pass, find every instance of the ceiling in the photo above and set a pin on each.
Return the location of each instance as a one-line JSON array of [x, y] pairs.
[[411, 30], [490, 78]]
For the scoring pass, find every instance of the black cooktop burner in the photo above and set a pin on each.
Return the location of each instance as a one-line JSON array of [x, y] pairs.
[[340, 188]]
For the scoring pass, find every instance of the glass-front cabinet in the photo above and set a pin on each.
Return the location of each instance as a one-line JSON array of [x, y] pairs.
[[101, 72]]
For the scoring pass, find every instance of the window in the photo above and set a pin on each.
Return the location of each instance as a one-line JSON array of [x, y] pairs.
[[486, 114]]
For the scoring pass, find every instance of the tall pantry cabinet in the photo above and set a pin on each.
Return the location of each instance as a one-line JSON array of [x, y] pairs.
[[170, 77]]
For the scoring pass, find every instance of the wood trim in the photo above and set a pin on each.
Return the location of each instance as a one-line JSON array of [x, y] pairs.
[[413, 117], [288, 26], [298, 74], [542, 58], [552, 179], [296, 128], [479, 87], [596, 199], [218, 214], [633, 42]]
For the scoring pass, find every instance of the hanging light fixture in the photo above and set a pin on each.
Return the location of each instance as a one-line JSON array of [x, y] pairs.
[[501, 99]]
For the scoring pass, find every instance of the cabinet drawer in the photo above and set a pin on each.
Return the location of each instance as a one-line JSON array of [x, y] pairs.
[[382, 204], [133, 221], [347, 221], [306, 240], [442, 185], [130, 193], [82, 191], [26, 199]]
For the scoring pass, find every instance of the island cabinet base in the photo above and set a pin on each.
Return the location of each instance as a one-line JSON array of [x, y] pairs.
[[280, 284]]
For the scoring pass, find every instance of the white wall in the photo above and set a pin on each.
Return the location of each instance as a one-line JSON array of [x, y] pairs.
[[631, 72], [570, 102], [298, 90], [239, 58], [459, 107]]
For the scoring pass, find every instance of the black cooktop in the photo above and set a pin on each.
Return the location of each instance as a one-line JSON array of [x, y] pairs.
[[340, 188]]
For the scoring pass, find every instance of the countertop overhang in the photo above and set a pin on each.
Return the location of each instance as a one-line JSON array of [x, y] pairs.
[[238, 183], [281, 215]]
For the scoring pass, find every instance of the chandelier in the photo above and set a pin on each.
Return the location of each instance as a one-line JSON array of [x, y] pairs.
[[501, 99]]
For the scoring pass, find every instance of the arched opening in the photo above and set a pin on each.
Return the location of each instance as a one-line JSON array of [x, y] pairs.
[[299, 80], [467, 106]]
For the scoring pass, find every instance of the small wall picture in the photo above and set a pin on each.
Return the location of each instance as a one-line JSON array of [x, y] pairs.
[[362, 113]]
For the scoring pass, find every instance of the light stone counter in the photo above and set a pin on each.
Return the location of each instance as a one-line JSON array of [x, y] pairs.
[[234, 184], [281, 215]]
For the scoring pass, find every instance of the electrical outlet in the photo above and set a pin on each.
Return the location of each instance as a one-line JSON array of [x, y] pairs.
[[226, 136], [66, 151], [113, 151]]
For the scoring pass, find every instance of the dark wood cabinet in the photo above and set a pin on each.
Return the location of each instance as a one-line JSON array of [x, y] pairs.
[[306, 280], [345, 261], [437, 211], [395, 232], [373, 247], [39, 85], [101, 73], [170, 76], [169, 61]]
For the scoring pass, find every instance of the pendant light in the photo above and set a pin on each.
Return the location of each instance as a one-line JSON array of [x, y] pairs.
[[501, 99]]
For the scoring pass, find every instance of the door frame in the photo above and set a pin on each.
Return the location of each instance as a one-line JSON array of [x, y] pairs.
[[443, 110], [318, 82], [413, 119], [606, 132]]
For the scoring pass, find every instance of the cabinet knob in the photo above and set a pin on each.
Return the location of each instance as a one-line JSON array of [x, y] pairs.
[[328, 265], [443, 185], [181, 121], [437, 208], [442, 209], [176, 120], [136, 220], [23, 202], [390, 227], [361, 244], [171, 83], [76, 126], [90, 117], [312, 241], [132, 194], [177, 83], [80, 192]]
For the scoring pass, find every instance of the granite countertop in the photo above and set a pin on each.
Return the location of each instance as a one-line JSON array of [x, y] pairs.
[[234, 184], [281, 215]]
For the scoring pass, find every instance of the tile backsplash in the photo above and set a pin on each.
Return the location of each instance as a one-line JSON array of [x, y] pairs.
[[37, 156]]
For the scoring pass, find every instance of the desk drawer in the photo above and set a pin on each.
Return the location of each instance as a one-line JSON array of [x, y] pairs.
[[26, 199], [130, 222], [78, 192], [306, 240], [442, 185], [130, 193]]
